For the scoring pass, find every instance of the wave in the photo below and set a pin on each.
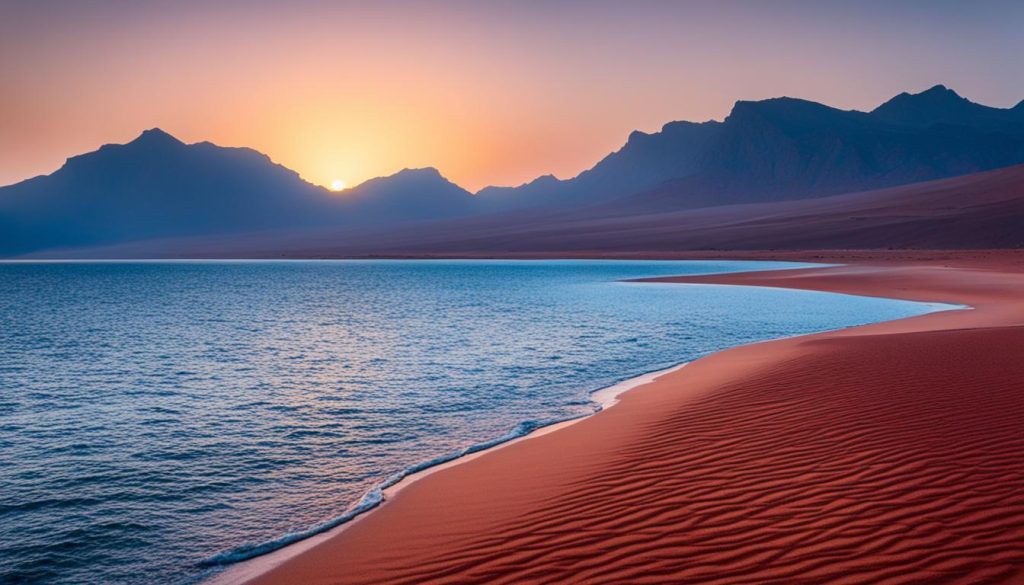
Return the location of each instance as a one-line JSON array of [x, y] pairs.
[[599, 400], [375, 496]]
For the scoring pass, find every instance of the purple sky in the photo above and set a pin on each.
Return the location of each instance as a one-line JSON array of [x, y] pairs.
[[488, 92]]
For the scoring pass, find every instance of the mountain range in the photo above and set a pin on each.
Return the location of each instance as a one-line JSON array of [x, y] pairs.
[[788, 148], [158, 189]]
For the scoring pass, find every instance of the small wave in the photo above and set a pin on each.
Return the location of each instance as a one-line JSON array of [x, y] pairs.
[[374, 497]]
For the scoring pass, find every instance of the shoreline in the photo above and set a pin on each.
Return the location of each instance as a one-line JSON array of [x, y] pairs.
[[236, 572], [239, 572], [422, 530]]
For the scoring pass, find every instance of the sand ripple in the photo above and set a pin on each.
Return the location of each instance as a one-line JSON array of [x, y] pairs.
[[884, 455]]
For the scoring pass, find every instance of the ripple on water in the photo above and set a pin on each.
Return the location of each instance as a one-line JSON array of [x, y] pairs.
[[158, 416]]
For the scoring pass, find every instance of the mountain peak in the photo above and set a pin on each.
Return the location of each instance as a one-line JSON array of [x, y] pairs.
[[938, 88], [155, 136], [789, 114], [938, 93], [937, 96], [426, 177], [411, 194], [941, 105], [636, 135], [421, 176], [784, 105], [423, 172]]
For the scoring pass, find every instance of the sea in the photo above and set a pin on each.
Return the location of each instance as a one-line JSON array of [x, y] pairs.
[[160, 421]]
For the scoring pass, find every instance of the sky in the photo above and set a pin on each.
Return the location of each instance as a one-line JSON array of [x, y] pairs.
[[489, 92]]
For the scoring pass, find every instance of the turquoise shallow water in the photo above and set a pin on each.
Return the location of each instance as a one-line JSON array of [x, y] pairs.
[[158, 420]]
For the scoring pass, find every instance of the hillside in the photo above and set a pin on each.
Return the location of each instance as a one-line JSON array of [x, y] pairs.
[[159, 187]]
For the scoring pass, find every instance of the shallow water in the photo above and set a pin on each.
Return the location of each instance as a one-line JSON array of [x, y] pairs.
[[159, 418]]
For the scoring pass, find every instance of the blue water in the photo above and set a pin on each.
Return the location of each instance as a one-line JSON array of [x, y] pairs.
[[158, 419]]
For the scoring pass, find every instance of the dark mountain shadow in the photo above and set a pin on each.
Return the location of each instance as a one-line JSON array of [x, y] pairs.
[[157, 187], [787, 148]]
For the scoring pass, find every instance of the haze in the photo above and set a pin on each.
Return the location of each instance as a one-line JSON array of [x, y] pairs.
[[349, 91]]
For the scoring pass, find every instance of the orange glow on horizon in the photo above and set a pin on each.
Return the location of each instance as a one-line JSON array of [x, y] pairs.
[[488, 93]]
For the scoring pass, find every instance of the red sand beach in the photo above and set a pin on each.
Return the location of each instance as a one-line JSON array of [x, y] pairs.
[[890, 453]]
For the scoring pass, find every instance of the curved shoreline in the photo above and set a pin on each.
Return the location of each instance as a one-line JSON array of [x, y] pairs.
[[239, 565], [244, 570], [247, 561], [903, 463]]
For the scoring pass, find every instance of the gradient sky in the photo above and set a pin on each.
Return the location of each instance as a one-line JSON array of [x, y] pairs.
[[488, 92]]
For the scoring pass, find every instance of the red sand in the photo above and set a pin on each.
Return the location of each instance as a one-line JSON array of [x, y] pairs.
[[891, 453]]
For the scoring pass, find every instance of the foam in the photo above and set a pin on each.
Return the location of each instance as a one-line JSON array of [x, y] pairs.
[[250, 560]]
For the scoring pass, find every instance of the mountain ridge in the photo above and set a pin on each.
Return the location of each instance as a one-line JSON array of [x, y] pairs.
[[760, 146], [939, 104], [157, 186]]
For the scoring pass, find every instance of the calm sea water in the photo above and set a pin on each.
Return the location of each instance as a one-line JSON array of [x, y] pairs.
[[160, 419]]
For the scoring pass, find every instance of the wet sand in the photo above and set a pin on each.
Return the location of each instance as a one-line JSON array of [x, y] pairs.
[[890, 453]]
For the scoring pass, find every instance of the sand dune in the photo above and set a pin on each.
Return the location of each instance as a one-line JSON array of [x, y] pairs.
[[892, 453]]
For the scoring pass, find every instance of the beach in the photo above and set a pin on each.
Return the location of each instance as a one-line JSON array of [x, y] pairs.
[[888, 453], [324, 386]]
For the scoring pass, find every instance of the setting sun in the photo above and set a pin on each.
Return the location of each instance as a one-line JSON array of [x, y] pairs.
[[396, 234]]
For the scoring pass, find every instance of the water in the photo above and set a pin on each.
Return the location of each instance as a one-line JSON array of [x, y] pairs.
[[159, 418]]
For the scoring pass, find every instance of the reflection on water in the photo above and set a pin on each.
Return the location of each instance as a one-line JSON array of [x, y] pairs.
[[153, 415]]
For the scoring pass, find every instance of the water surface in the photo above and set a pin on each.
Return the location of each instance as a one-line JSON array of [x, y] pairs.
[[159, 417]]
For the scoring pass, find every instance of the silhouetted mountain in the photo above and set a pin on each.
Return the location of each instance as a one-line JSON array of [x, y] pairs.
[[940, 105], [980, 210], [408, 195], [154, 186], [791, 149], [158, 187], [533, 193], [645, 161], [788, 148]]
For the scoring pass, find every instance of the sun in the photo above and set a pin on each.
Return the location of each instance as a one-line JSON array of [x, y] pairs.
[[337, 185]]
